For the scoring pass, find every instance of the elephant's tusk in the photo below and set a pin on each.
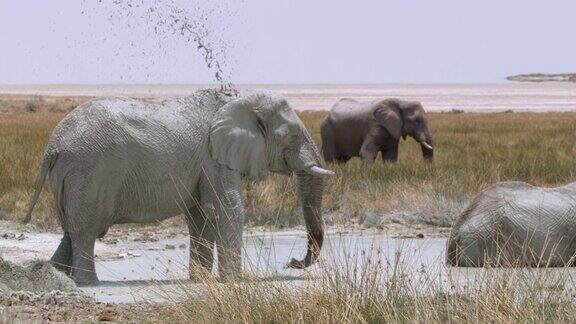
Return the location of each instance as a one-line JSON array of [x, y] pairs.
[[318, 171], [426, 145]]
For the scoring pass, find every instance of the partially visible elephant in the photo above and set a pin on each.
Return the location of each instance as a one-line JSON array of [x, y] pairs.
[[119, 160], [516, 224], [354, 128]]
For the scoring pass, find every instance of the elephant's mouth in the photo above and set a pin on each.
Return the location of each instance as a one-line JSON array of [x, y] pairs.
[[427, 150], [294, 161], [283, 169], [424, 140], [311, 169], [297, 164], [427, 146]]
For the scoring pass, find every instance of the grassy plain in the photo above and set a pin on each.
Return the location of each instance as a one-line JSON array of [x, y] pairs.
[[471, 152]]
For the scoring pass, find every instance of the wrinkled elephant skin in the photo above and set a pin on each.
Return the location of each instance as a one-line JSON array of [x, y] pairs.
[[354, 128], [516, 224], [120, 160]]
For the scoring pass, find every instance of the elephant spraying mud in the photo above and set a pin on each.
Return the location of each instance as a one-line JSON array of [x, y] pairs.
[[119, 160], [516, 224], [360, 129]]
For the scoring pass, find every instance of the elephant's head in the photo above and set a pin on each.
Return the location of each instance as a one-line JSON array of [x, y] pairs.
[[406, 118], [260, 133]]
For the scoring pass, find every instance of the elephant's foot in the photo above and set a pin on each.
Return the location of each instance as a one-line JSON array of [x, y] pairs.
[[229, 266], [230, 271], [203, 274], [65, 268], [199, 273], [85, 278], [62, 258], [234, 277], [83, 268]]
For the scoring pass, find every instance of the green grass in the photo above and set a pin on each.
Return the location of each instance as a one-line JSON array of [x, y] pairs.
[[471, 152]]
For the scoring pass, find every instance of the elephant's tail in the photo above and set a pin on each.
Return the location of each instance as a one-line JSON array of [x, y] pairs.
[[47, 163]]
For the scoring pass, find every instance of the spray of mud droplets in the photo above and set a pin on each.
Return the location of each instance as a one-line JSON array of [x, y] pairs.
[[166, 18]]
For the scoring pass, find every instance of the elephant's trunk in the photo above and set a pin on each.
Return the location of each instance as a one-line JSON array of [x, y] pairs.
[[309, 174], [427, 146], [310, 192]]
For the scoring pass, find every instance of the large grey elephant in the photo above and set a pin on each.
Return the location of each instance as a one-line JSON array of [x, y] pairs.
[[516, 224], [355, 128], [119, 160]]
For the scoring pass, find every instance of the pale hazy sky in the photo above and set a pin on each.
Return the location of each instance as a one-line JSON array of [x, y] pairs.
[[300, 41]]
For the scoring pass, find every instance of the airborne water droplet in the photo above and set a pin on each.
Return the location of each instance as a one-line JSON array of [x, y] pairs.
[[165, 17]]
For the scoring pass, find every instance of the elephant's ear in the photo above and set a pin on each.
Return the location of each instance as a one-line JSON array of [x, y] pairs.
[[237, 139], [388, 114]]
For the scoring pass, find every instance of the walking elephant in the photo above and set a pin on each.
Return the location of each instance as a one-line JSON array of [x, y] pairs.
[[119, 160], [354, 128], [516, 224]]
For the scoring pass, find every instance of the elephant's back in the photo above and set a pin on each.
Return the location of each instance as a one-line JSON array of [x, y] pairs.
[[347, 108], [120, 141], [520, 199], [108, 124], [133, 156], [349, 116], [530, 224], [518, 205]]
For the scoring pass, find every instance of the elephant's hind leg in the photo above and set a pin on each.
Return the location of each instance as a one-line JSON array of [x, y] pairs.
[[328, 145], [62, 258], [83, 268], [79, 222]]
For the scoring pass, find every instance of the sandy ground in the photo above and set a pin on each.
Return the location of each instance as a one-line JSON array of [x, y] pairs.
[[549, 96]]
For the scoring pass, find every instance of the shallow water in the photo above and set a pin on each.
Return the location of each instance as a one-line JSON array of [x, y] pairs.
[[158, 271], [264, 257], [553, 96], [421, 261]]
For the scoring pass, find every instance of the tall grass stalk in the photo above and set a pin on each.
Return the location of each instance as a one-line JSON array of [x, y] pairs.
[[364, 290]]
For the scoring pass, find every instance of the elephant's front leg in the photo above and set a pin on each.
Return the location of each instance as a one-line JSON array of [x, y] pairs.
[[390, 152], [221, 195], [368, 151], [201, 228]]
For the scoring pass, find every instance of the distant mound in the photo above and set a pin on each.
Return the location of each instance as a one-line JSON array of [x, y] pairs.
[[541, 77]]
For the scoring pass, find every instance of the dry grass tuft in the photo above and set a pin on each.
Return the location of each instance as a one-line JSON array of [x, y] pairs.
[[381, 292]]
